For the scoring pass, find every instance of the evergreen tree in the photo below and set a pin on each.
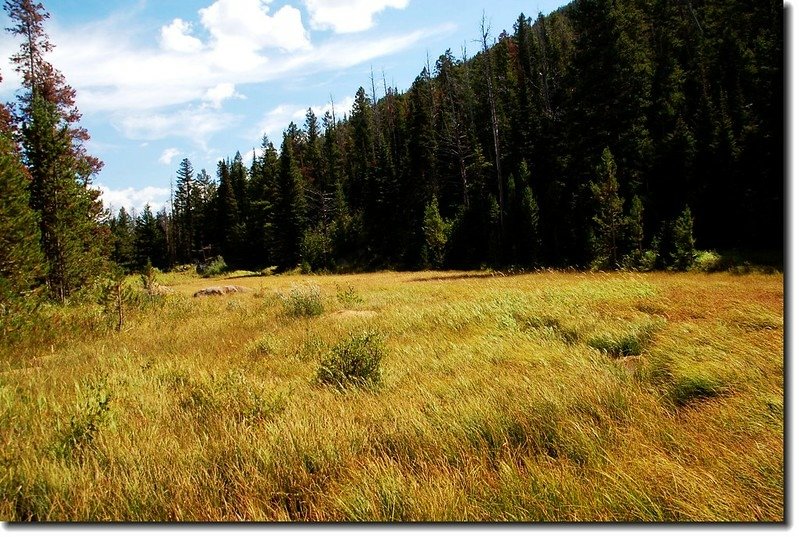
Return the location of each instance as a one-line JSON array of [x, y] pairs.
[[436, 232], [184, 211], [290, 213], [609, 218], [150, 241], [21, 261], [683, 252], [69, 210], [123, 235]]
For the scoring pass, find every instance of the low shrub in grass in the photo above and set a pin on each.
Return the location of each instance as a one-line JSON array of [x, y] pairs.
[[215, 267], [354, 362], [708, 261], [630, 343], [304, 301], [696, 387]]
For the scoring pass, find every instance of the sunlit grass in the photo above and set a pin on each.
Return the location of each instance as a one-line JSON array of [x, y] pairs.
[[552, 396]]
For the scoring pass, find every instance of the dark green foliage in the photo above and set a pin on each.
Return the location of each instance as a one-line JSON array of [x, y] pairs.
[[683, 102], [69, 211], [290, 211], [354, 362], [123, 235], [21, 260], [608, 219], [683, 251], [212, 268]]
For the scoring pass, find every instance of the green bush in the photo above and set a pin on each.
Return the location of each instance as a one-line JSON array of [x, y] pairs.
[[215, 267], [354, 362], [707, 261], [304, 301]]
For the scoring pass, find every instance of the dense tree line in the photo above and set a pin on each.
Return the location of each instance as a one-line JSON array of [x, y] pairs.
[[584, 138]]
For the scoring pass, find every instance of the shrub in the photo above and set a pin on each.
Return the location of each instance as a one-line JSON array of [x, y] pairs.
[[215, 267], [707, 261], [354, 362], [305, 301]]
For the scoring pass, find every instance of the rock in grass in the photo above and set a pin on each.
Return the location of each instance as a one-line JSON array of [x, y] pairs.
[[221, 290]]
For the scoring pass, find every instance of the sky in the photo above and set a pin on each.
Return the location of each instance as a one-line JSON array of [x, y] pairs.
[[158, 81]]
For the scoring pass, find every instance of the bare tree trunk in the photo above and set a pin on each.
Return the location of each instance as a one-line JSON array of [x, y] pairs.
[[484, 31]]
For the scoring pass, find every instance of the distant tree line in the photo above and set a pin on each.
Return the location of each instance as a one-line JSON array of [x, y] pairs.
[[609, 134]]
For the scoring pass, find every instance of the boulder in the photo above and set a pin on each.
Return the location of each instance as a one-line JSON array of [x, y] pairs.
[[221, 290]]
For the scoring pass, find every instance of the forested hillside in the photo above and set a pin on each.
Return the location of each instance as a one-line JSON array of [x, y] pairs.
[[610, 133]]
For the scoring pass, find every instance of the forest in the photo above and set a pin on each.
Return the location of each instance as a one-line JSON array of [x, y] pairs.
[[610, 134]]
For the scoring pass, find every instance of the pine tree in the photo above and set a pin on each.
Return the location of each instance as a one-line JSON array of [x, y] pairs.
[[69, 210], [290, 214], [184, 211], [123, 235], [150, 241], [528, 235], [683, 249], [21, 260], [436, 232], [609, 218]]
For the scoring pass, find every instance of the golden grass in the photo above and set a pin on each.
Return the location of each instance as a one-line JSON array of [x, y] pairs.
[[552, 396]]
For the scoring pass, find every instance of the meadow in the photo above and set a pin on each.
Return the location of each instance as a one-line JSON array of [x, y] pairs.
[[432, 396]]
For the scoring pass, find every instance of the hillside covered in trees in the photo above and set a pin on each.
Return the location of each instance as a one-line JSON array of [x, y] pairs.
[[609, 134]]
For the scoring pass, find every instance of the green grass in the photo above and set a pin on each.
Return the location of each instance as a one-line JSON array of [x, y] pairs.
[[403, 397]]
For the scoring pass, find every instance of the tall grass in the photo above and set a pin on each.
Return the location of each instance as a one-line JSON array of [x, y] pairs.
[[546, 397]]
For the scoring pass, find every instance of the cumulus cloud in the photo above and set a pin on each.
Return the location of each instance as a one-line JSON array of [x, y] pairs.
[[133, 199], [246, 27], [168, 156], [348, 16], [176, 37]]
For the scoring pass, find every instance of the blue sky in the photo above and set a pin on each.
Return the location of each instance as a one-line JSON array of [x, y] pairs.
[[158, 80]]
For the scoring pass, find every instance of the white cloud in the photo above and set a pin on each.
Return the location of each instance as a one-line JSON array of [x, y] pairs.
[[177, 84], [215, 96], [276, 120], [245, 27], [168, 156], [195, 125], [132, 199], [176, 37], [348, 16]]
